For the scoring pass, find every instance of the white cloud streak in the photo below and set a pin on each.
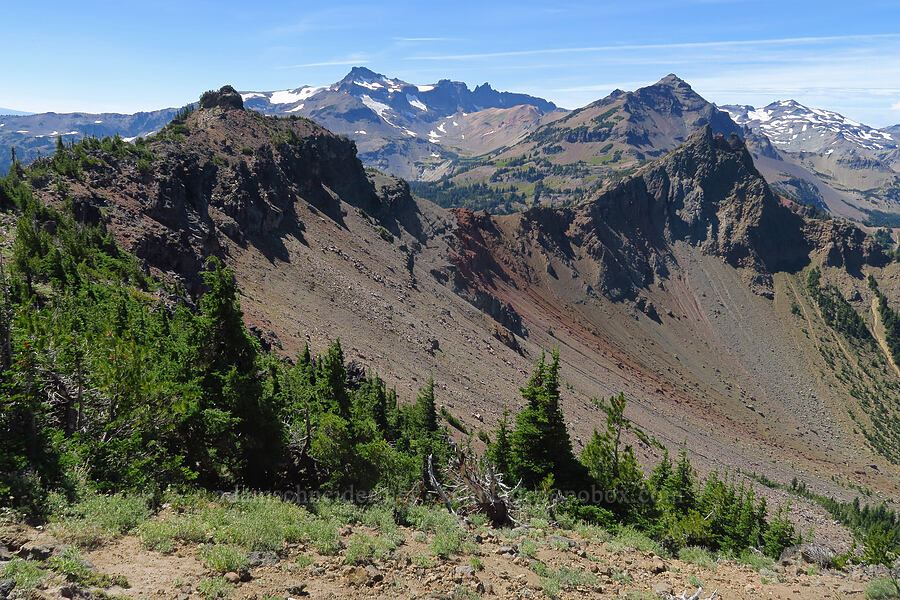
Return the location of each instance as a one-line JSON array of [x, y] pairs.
[[671, 46]]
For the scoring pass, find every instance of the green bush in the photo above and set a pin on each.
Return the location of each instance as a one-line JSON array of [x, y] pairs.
[[447, 543], [223, 558], [213, 588]]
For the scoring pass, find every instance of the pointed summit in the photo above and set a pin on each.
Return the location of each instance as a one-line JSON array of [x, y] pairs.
[[672, 80], [361, 73]]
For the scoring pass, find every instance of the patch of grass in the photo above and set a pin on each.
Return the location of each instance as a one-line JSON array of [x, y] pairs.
[[303, 561], [621, 576], [527, 548], [430, 519], [476, 563], [756, 560], [630, 538], [461, 592], [252, 522], [213, 588], [223, 558], [882, 589], [478, 520], [551, 588], [424, 560], [553, 582], [157, 536], [75, 569], [363, 548], [697, 556], [26, 573], [100, 517], [591, 532], [695, 581], [446, 543]]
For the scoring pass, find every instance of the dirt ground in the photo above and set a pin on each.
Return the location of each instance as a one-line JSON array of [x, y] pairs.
[[503, 566]]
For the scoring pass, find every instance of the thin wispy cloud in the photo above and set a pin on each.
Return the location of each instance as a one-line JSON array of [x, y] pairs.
[[425, 39], [667, 46], [895, 106]]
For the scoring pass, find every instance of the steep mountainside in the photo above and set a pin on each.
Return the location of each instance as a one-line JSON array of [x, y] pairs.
[[35, 135], [683, 285], [407, 129]]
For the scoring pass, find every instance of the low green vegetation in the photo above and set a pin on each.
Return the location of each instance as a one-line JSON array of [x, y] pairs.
[[27, 574], [215, 587], [836, 311], [883, 588], [223, 557]]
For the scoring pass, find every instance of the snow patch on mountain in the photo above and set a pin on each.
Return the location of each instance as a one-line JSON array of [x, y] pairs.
[[414, 101], [375, 105], [372, 85], [285, 97], [797, 128]]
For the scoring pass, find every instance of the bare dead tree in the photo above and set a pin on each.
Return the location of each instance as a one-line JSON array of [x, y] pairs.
[[475, 486]]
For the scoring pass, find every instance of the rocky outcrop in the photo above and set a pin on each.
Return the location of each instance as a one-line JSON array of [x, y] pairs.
[[231, 174], [706, 193], [226, 97]]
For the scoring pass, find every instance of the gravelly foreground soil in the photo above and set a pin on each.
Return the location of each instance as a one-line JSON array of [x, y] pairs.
[[505, 568]]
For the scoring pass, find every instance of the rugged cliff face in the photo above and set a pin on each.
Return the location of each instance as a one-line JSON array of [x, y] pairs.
[[224, 172], [706, 193]]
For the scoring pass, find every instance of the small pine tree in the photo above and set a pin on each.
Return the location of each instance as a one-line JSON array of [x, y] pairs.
[[680, 486], [331, 380], [499, 451], [540, 447], [427, 408]]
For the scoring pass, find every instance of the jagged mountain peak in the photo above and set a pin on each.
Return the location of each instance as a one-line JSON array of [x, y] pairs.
[[672, 80], [362, 72], [794, 127]]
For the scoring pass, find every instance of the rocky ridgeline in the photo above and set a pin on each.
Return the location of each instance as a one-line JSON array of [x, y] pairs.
[[706, 193], [226, 174]]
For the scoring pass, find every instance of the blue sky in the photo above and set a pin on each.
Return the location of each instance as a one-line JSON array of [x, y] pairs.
[[127, 56]]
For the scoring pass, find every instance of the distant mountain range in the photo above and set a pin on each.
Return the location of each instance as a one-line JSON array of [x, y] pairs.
[[10, 111], [35, 134], [797, 128], [408, 129], [505, 151]]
